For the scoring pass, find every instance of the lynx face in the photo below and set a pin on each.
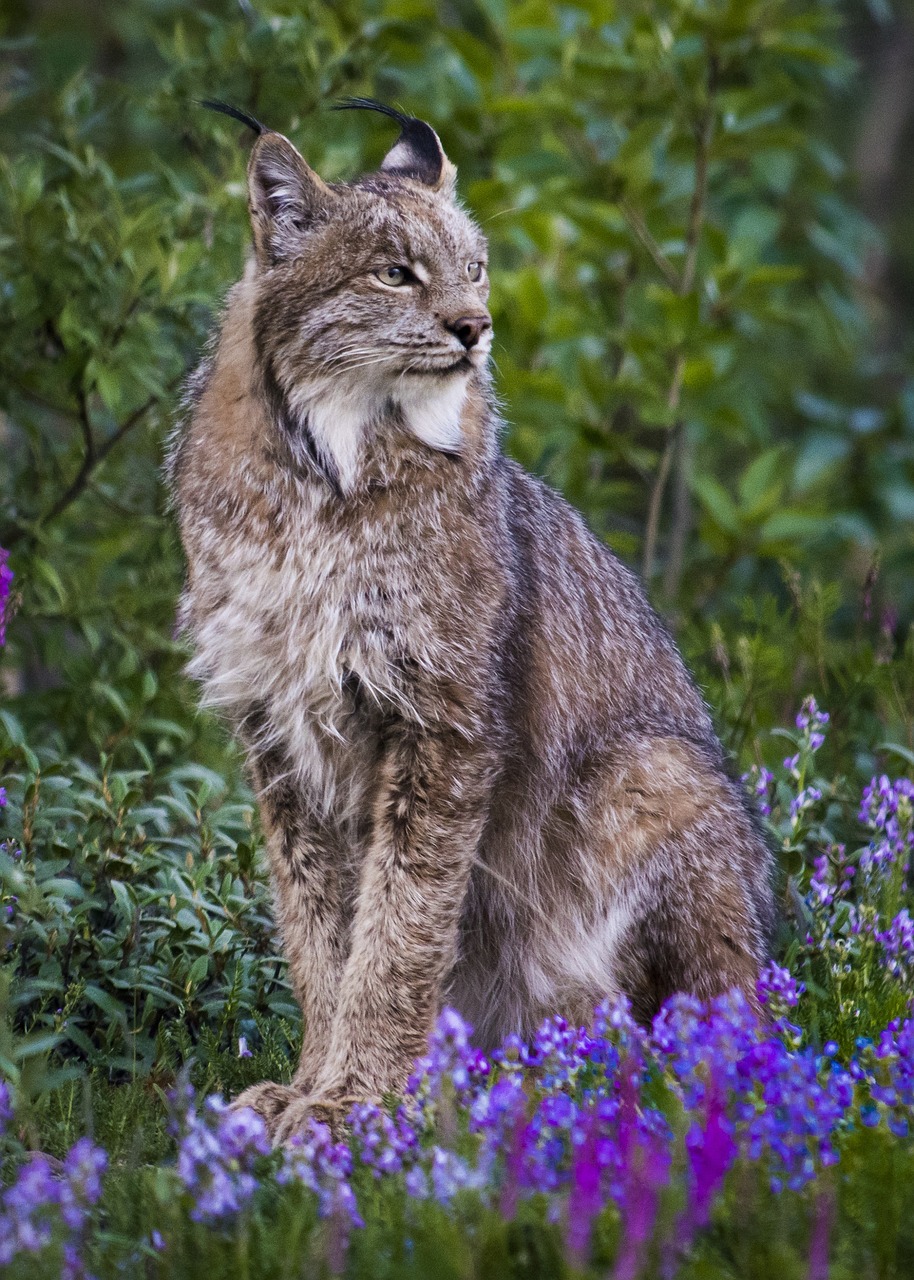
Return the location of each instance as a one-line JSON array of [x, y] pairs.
[[370, 300]]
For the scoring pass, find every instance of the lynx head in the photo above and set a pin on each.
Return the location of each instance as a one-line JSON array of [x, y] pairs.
[[370, 296]]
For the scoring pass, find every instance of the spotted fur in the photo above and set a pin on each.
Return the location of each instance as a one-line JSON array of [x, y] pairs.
[[484, 773]]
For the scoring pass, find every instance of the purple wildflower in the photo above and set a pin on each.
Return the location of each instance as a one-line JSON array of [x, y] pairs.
[[831, 879], [887, 1068], [450, 1060], [804, 800], [811, 721], [416, 1183], [644, 1169], [81, 1191], [450, 1174], [897, 944], [797, 1112], [82, 1188], [887, 808], [777, 988], [39, 1199], [6, 1106], [6, 582], [324, 1167], [216, 1158], [385, 1145], [586, 1198], [823, 1214], [26, 1223], [711, 1150], [759, 780]]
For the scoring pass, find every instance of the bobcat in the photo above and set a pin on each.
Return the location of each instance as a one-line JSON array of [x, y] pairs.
[[483, 771]]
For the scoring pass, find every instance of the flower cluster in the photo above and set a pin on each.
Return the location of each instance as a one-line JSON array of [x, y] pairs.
[[856, 919], [760, 781], [887, 808], [812, 723], [887, 1069], [217, 1156], [48, 1203], [324, 1167], [585, 1119]]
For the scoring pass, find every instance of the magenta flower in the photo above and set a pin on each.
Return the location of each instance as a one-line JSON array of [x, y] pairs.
[[585, 1199], [6, 582], [711, 1150]]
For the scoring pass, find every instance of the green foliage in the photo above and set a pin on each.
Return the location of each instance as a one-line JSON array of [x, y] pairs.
[[136, 917]]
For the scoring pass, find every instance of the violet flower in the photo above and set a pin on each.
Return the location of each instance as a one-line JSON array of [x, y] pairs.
[[6, 582]]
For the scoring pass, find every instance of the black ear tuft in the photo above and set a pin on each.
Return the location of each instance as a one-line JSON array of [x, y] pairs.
[[227, 110], [417, 152]]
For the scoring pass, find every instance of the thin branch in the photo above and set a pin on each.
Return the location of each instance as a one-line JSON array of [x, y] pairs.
[[682, 514], [698, 206], [652, 527], [85, 423], [635, 219], [91, 461], [72, 491], [676, 443]]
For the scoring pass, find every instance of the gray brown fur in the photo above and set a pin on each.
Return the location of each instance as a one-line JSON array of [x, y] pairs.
[[484, 773]]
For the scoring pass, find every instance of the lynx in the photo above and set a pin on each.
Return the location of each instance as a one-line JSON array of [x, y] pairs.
[[485, 776]]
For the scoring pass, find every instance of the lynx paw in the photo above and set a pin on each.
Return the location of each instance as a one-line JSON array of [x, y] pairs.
[[332, 1112], [270, 1101]]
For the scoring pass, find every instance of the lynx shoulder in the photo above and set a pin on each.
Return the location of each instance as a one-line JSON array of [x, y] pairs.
[[484, 773]]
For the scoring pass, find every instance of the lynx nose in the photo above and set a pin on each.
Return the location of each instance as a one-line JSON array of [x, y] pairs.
[[469, 329]]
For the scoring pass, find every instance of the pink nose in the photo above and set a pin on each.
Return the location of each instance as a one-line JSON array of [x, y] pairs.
[[469, 329]]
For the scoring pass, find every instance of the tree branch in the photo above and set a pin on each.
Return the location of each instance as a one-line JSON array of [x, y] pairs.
[[85, 423], [652, 527], [682, 514], [93, 456], [91, 461], [635, 219], [677, 442]]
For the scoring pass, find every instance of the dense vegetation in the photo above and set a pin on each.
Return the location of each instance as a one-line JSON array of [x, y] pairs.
[[701, 341]]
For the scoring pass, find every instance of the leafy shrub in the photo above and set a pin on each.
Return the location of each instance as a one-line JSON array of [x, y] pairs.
[[134, 913]]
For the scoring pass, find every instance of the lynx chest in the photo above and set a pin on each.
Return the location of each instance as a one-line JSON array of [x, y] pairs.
[[290, 624]]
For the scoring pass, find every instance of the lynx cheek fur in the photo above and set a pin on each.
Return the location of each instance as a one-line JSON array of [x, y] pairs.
[[483, 771]]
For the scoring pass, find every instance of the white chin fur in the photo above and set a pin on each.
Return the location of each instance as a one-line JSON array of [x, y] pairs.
[[340, 414], [432, 408]]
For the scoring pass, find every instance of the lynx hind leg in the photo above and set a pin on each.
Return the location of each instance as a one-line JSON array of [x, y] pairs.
[[696, 873]]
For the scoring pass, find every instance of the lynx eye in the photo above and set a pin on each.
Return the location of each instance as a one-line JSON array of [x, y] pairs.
[[394, 276], [475, 270]]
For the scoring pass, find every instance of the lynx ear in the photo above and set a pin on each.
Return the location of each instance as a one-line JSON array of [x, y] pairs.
[[286, 197], [417, 153]]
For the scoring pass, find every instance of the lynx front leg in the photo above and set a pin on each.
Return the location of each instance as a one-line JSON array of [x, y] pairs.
[[310, 910], [427, 822]]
